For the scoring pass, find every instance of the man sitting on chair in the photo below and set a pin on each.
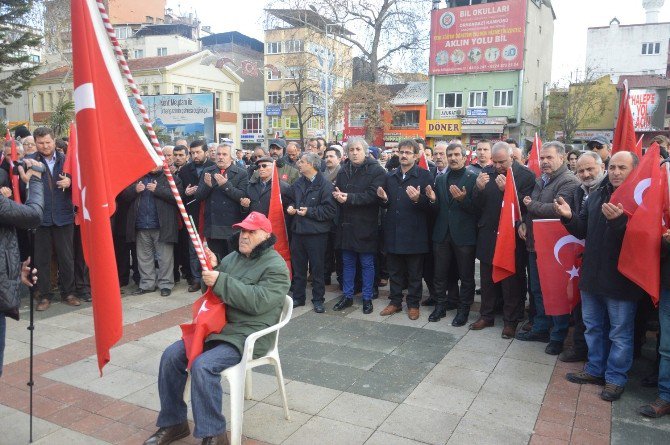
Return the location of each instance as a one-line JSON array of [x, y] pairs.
[[252, 281]]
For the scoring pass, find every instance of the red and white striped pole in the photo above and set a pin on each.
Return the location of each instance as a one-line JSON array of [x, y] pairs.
[[123, 64]]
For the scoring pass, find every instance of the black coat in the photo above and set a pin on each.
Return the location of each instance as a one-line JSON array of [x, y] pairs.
[[58, 208], [357, 229], [222, 203], [489, 203], [260, 199], [166, 206], [317, 196], [189, 176], [458, 219], [406, 224], [599, 273], [665, 265]]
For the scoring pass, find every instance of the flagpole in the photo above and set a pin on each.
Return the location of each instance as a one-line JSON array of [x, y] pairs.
[[152, 135]]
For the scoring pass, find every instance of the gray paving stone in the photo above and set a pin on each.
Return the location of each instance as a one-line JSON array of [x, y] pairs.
[[358, 410], [473, 341], [645, 431], [332, 336], [456, 377], [476, 361], [441, 398], [521, 414], [401, 318], [19, 432], [121, 383], [422, 352], [147, 397], [375, 342], [530, 352], [312, 350], [381, 438], [304, 397], [403, 367], [294, 368], [80, 373], [329, 432], [483, 430], [433, 338], [386, 330], [520, 389], [384, 387], [69, 437], [267, 423], [331, 376], [421, 424], [357, 358]]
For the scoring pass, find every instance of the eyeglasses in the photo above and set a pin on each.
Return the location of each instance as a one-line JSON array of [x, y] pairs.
[[406, 153], [596, 146], [264, 165]]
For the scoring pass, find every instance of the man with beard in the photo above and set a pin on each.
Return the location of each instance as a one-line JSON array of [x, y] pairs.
[[287, 172]]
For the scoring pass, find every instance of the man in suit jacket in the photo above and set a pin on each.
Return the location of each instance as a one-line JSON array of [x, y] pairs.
[[487, 197], [454, 235]]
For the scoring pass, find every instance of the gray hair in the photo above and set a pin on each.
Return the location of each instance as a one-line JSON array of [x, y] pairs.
[[592, 154], [357, 140], [224, 145], [312, 159], [444, 144], [501, 146], [558, 146], [265, 151], [213, 145], [454, 145]]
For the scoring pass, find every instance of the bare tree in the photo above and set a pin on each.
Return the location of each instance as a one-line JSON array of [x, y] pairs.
[[369, 102]]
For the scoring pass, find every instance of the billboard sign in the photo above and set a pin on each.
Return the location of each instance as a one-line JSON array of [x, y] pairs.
[[187, 116], [478, 38], [477, 112], [443, 127], [648, 109], [273, 110]]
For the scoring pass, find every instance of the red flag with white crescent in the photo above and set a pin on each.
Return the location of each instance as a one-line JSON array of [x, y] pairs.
[[423, 162], [534, 156], [116, 153], [71, 167], [504, 256], [209, 317], [624, 132], [558, 265], [629, 194], [276, 217]]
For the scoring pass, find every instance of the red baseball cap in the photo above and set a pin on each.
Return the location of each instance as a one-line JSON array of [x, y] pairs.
[[255, 221]]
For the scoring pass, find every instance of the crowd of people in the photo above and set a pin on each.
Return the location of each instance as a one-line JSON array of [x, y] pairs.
[[367, 218]]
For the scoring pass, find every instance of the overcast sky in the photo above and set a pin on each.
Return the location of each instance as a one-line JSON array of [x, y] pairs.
[[573, 18]]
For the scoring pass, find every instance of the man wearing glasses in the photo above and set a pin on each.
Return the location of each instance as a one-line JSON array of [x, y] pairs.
[[257, 198], [602, 146]]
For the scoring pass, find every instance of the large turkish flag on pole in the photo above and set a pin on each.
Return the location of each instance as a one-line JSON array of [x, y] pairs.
[[624, 132], [276, 217], [558, 265], [504, 256], [534, 156], [629, 194], [113, 153]]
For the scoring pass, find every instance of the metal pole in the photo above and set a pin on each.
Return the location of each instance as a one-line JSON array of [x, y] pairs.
[[326, 84], [31, 327]]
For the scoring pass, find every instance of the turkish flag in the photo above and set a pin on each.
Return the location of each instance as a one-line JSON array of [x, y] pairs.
[[665, 181], [71, 167], [115, 154], [641, 248], [558, 264], [629, 194], [14, 179], [624, 133], [534, 156], [276, 217], [504, 256], [423, 162], [209, 317]]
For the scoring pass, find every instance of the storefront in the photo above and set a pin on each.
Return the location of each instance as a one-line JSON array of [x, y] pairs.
[[477, 128], [442, 129], [251, 140]]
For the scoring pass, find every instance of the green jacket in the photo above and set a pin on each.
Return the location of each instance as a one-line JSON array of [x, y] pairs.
[[254, 289], [458, 219]]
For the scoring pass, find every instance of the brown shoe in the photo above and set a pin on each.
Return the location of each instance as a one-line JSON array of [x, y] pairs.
[[527, 327], [43, 305], [221, 439], [654, 410], [413, 313], [71, 300], [509, 331], [481, 324], [390, 310], [169, 434]]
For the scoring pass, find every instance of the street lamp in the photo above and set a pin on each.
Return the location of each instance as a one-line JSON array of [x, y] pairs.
[[326, 74]]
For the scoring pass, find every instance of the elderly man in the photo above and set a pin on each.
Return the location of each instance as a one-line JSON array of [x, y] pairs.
[[356, 195], [258, 193], [590, 171], [405, 224], [211, 151], [556, 181], [487, 197], [313, 212], [609, 300], [483, 156], [601, 145], [221, 188], [293, 154], [455, 234], [252, 281]]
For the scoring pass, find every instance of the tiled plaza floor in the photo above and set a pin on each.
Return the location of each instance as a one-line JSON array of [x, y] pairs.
[[351, 379]]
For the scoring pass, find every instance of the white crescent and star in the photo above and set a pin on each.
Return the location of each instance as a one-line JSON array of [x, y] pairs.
[[640, 188], [564, 241]]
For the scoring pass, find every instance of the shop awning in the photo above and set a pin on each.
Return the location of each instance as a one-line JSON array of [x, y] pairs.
[[481, 129]]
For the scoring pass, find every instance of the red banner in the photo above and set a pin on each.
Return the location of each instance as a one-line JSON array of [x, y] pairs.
[[479, 38]]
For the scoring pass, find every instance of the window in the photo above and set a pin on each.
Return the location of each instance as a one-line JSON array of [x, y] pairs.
[[145, 90], [190, 90], [503, 98], [122, 32], [274, 47], [292, 72], [251, 123], [478, 99], [40, 102], [34, 58], [291, 122], [161, 51], [275, 122], [274, 75], [138, 54], [406, 119], [217, 100], [157, 89], [229, 101], [176, 89], [291, 97], [450, 100], [293, 46], [357, 117], [274, 97], [50, 102], [651, 48]]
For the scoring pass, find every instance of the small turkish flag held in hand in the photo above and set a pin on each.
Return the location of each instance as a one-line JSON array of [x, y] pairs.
[[504, 256], [559, 265], [209, 317]]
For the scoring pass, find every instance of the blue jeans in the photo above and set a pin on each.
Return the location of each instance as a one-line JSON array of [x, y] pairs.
[[664, 346], [349, 260], [206, 392], [560, 323], [3, 327], [610, 327]]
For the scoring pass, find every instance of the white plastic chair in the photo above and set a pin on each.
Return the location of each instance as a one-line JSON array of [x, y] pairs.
[[239, 376]]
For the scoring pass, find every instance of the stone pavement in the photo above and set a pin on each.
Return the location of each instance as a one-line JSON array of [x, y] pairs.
[[351, 379]]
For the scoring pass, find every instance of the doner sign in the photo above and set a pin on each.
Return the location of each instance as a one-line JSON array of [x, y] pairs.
[[443, 127]]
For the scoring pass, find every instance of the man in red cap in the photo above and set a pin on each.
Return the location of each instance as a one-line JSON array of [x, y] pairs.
[[252, 281]]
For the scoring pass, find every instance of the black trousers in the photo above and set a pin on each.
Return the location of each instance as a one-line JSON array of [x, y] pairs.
[[182, 263], [61, 238], [510, 289], [220, 247], [578, 340], [82, 282], [446, 254], [308, 250], [405, 268]]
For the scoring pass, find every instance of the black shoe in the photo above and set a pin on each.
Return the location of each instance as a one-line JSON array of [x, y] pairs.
[[611, 392], [344, 303], [650, 381], [438, 313], [451, 306], [87, 298], [298, 303], [165, 292], [554, 347], [367, 307], [318, 307], [572, 355], [195, 287], [430, 301], [533, 336], [478, 291], [141, 291], [169, 434], [584, 377], [375, 293], [460, 319]]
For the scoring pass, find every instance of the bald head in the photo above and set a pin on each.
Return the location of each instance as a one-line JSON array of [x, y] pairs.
[[620, 166]]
